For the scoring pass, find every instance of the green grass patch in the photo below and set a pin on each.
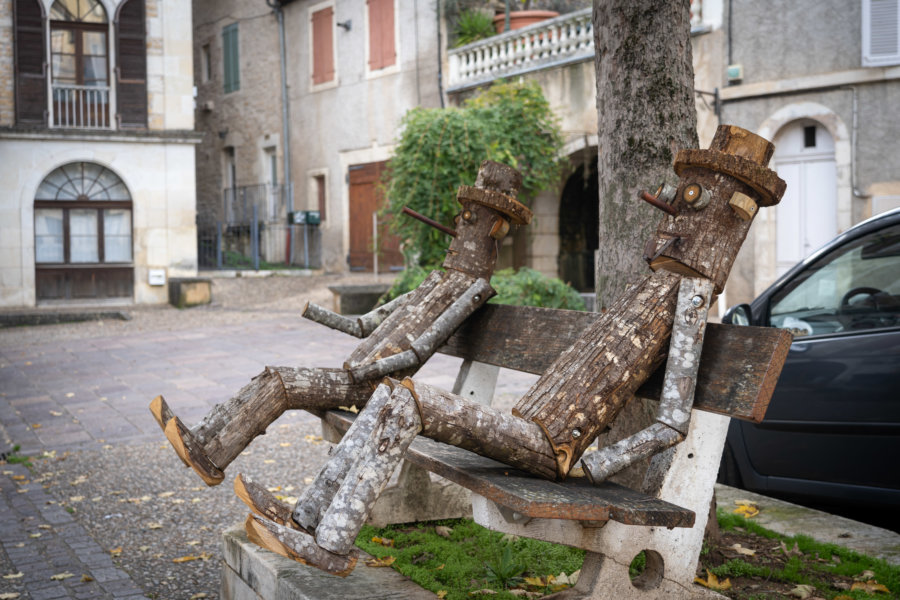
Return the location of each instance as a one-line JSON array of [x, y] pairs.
[[818, 564], [471, 558], [14, 458]]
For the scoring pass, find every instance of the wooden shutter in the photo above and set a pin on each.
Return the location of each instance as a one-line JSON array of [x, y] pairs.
[[131, 72], [31, 73], [381, 34], [323, 45], [231, 58]]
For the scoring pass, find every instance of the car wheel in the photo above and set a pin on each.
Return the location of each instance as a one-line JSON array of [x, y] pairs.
[[729, 474]]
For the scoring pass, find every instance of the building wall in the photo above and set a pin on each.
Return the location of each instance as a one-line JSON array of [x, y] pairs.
[[160, 178], [809, 66], [156, 165]]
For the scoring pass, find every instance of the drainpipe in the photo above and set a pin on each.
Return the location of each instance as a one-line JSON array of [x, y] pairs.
[[440, 56], [275, 5], [854, 129]]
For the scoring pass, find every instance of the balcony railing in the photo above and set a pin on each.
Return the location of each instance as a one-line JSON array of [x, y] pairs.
[[80, 106], [550, 43], [555, 42]]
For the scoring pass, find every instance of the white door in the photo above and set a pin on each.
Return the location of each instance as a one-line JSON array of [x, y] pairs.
[[807, 215]]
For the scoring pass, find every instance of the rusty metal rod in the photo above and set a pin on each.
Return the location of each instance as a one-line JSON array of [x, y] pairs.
[[407, 210], [647, 197]]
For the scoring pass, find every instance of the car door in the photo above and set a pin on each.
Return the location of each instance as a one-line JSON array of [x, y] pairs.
[[834, 419]]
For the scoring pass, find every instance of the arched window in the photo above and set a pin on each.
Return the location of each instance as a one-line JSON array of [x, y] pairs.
[[82, 234], [79, 51]]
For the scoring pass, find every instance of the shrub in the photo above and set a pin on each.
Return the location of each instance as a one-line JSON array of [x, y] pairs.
[[473, 25]]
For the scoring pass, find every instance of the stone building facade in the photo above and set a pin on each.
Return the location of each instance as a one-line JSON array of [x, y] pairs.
[[97, 192]]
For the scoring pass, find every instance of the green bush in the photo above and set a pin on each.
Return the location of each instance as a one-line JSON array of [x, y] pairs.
[[526, 287], [441, 149], [473, 25]]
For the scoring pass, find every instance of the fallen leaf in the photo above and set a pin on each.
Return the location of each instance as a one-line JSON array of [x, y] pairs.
[[443, 531], [116, 551], [177, 501], [183, 559], [712, 582], [269, 461], [869, 586], [193, 543], [154, 525], [79, 480], [525, 593], [70, 394], [387, 543], [195, 500], [9, 596], [795, 551], [14, 575], [56, 413], [76, 498], [35, 535], [741, 550], [439, 567], [307, 480], [354, 410], [45, 527], [747, 511], [165, 494], [441, 593], [86, 578], [384, 561], [96, 498], [285, 444], [867, 574], [19, 477], [36, 425], [274, 489], [61, 576], [484, 592], [7, 472], [143, 548], [199, 596], [802, 591]]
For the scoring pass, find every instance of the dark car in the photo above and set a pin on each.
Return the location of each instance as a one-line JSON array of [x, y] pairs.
[[832, 432]]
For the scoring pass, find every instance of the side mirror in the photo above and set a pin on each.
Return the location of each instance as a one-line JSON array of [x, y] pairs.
[[739, 314]]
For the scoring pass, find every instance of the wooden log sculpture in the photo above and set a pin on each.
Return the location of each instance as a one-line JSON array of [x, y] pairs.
[[399, 336], [707, 219]]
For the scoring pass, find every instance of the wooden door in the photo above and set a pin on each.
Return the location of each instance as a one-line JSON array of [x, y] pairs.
[[365, 199]]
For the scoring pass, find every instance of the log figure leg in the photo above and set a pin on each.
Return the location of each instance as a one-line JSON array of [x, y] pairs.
[[685, 345], [341, 497]]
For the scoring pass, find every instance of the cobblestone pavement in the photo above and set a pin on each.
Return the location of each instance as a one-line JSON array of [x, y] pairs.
[[106, 510]]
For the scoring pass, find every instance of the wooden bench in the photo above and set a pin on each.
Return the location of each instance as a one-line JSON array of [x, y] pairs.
[[737, 374]]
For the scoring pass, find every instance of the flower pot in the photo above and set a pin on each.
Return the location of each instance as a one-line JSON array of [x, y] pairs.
[[522, 18]]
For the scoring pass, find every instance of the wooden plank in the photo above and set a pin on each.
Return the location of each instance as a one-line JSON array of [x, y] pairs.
[[527, 495], [738, 371]]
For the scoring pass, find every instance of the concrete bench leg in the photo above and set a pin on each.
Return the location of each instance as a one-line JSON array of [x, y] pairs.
[[673, 554]]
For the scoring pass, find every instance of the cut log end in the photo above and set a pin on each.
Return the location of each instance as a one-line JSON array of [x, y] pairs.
[[262, 502], [298, 546], [191, 453], [161, 411]]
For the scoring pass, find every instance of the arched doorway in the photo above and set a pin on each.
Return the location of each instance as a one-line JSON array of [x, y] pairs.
[[578, 229], [806, 217], [82, 235]]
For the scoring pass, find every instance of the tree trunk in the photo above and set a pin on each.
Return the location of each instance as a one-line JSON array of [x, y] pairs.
[[646, 113]]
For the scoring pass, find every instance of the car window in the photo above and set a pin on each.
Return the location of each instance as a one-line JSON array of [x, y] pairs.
[[853, 288]]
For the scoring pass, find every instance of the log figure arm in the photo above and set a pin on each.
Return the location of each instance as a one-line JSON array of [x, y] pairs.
[[360, 327], [475, 296], [674, 414]]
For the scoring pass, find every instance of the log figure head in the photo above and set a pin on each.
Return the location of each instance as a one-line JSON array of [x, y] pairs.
[[710, 211], [488, 209]]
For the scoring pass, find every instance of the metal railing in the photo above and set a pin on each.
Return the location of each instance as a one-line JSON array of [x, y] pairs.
[[255, 233], [80, 106]]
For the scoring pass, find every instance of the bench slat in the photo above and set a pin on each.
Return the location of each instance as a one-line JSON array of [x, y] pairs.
[[738, 371], [527, 495]]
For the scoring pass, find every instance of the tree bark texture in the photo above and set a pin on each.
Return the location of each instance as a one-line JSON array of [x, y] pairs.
[[297, 545], [396, 424], [457, 421], [586, 387], [645, 108]]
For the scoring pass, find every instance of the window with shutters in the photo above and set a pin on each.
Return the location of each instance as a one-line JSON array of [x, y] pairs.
[[880, 33], [131, 72], [381, 33], [322, 26], [231, 58], [77, 35]]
